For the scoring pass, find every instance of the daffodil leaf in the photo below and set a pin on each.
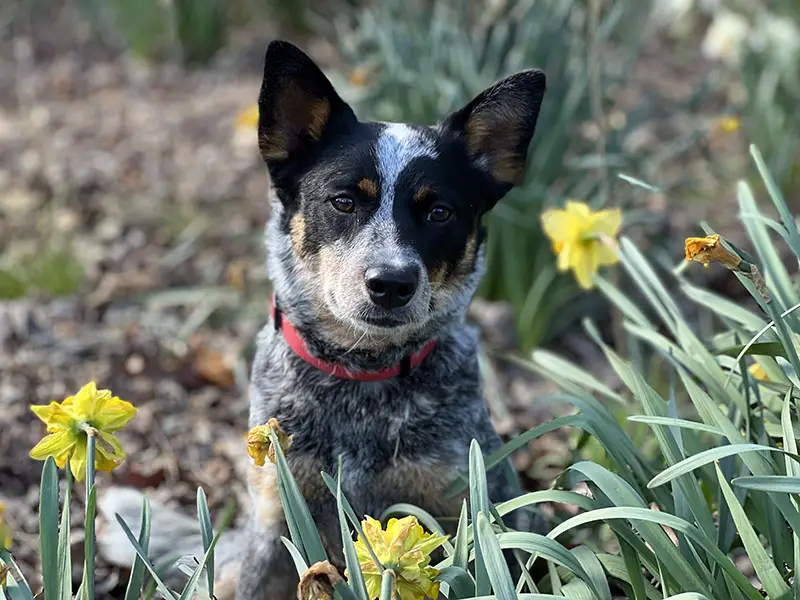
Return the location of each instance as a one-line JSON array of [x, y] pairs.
[[461, 546], [757, 349], [297, 558], [165, 591], [496, 567], [296, 508], [191, 586], [460, 581], [64, 547], [708, 456], [137, 569], [766, 570], [48, 528], [354, 574], [479, 503], [207, 532]]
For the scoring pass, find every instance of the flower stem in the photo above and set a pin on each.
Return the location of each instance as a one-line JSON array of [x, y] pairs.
[[91, 499]]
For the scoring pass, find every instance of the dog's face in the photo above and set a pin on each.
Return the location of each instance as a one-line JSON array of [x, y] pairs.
[[383, 220]]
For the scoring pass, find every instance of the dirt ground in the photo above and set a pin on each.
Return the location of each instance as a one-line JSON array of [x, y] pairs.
[[162, 198]]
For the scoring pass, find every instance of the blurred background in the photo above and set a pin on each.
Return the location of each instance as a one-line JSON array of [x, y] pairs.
[[133, 197]]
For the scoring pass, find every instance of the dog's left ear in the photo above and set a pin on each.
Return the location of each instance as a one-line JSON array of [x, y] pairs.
[[297, 104], [496, 128]]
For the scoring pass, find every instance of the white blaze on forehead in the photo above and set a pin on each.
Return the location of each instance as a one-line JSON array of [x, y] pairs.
[[397, 146]]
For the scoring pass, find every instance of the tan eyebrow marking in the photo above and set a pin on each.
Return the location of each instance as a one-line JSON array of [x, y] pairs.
[[423, 193], [369, 187]]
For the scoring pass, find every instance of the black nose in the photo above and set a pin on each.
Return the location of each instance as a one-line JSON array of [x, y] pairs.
[[389, 287]]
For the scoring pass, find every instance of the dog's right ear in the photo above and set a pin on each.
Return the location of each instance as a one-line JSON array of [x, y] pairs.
[[297, 104]]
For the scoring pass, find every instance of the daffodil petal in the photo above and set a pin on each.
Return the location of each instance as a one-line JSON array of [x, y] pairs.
[[557, 224], [109, 446], [77, 459], [83, 401], [578, 209], [102, 463], [584, 268], [56, 445], [604, 255], [115, 415], [373, 583], [566, 255], [607, 222], [54, 415]]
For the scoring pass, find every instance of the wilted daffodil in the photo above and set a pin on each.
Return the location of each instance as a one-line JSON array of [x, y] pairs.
[[405, 548], [5, 536], [709, 249], [69, 423], [582, 239], [259, 442]]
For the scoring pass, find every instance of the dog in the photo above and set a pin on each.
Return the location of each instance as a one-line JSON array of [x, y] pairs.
[[375, 248]]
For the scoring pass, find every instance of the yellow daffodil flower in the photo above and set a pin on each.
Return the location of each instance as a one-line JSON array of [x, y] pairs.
[[728, 124], [405, 548], [5, 536], [582, 239], [259, 442], [71, 421], [248, 117], [757, 372], [708, 249]]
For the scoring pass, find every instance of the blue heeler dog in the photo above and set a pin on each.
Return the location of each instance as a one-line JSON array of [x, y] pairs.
[[375, 248]]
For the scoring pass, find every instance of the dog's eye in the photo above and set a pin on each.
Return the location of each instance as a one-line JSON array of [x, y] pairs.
[[440, 214], [343, 204]]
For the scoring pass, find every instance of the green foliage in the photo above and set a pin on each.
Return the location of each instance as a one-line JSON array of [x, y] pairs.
[[721, 483], [420, 60]]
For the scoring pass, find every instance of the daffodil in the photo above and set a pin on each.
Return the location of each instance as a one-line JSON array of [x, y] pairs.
[[248, 117], [582, 239], [708, 249], [259, 441], [69, 423], [757, 372], [728, 124], [405, 548], [5, 536]]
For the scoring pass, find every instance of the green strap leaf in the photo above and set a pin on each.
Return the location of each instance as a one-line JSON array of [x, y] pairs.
[[48, 528], [703, 458], [770, 578]]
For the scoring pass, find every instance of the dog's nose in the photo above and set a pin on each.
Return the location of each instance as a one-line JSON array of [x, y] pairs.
[[390, 287]]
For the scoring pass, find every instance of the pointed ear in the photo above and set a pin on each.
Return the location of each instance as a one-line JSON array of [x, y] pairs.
[[297, 104], [497, 126]]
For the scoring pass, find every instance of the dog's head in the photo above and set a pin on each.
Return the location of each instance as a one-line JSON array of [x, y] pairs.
[[379, 225]]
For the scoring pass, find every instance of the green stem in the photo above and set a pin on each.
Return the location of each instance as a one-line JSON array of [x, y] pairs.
[[88, 567]]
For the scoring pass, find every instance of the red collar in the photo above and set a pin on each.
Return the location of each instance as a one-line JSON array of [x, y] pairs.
[[296, 343]]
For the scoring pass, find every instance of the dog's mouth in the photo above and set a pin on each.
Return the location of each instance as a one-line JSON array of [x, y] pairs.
[[385, 322]]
